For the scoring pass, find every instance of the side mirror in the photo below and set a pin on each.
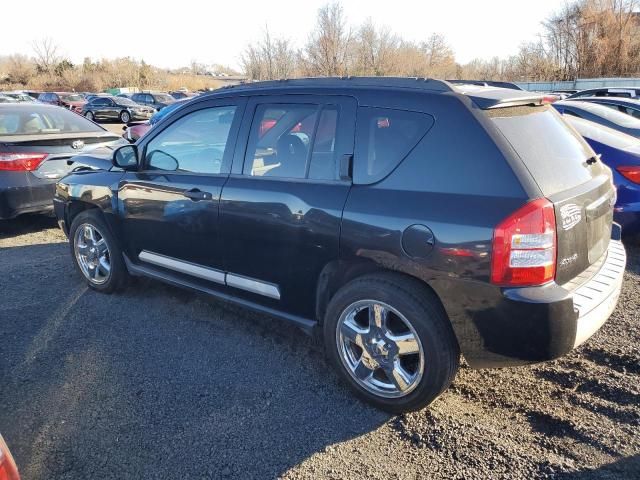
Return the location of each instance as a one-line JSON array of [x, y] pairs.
[[126, 157]]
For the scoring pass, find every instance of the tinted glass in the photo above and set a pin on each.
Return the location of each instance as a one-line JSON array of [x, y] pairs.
[[552, 151], [292, 141], [195, 143], [384, 137], [41, 121]]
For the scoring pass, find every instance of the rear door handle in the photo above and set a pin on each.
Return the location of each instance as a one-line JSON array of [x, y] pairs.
[[196, 194]]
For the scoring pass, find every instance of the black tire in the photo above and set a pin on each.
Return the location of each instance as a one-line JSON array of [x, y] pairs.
[[125, 117], [118, 275], [89, 116], [423, 310]]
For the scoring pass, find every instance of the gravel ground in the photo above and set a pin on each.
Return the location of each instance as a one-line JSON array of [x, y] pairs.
[[162, 383]]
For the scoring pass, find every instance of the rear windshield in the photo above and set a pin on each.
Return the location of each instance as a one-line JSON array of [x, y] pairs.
[[73, 97], [163, 97], [552, 151], [606, 135], [34, 121], [615, 116]]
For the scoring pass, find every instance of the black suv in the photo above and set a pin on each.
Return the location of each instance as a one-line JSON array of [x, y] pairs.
[[406, 221]]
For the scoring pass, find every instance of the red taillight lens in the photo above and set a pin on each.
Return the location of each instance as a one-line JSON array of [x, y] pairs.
[[8, 469], [524, 246], [21, 161], [630, 173]]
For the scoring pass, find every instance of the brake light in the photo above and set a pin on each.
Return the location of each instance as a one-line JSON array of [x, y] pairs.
[[21, 161], [524, 246], [630, 173], [8, 469]]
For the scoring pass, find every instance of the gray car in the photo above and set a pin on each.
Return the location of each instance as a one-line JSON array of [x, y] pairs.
[[117, 109]]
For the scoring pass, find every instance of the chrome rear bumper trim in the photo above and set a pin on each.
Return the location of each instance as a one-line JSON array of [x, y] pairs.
[[597, 298]]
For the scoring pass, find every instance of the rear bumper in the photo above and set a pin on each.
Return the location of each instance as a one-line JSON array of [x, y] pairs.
[[534, 324], [22, 192], [597, 299]]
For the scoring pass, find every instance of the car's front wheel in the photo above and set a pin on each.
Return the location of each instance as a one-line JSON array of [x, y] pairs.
[[125, 117], [89, 115], [96, 253], [389, 338]]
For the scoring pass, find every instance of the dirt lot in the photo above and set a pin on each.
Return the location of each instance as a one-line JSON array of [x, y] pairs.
[[162, 383]]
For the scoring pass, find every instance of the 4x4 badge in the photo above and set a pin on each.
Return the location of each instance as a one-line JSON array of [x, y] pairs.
[[571, 215], [77, 144]]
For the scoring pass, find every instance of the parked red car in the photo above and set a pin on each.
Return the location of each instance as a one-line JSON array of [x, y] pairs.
[[72, 101], [8, 469]]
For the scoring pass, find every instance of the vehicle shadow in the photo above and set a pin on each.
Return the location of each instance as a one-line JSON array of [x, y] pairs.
[[628, 467], [26, 224], [157, 382]]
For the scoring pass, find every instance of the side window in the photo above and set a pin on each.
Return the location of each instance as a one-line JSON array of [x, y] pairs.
[[293, 141], [195, 143], [384, 137]]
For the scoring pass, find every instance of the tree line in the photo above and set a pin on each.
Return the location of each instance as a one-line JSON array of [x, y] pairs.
[[585, 38]]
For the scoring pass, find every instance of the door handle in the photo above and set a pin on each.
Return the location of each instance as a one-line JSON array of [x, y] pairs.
[[196, 194]]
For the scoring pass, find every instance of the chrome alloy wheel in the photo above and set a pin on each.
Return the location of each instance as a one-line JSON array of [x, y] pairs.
[[92, 254], [380, 348]]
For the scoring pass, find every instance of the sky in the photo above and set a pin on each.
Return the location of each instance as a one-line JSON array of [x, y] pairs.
[[173, 33]]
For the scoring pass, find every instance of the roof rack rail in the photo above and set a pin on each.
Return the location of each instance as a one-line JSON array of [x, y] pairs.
[[394, 82]]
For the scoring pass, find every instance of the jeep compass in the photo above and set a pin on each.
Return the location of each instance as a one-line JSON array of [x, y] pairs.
[[405, 221]]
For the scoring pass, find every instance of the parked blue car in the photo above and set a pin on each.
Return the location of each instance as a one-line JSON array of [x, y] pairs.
[[601, 115], [621, 152]]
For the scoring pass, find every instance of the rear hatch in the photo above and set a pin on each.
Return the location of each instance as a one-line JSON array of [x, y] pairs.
[[570, 175]]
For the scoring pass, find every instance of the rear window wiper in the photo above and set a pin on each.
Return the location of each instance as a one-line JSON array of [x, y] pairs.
[[594, 159]]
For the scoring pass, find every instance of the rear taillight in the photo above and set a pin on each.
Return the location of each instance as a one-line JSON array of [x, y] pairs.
[[8, 469], [630, 173], [524, 246], [16, 162]]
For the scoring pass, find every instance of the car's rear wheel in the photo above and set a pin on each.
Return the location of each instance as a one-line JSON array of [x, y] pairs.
[[389, 338], [89, 115], [96, 253], [125, 117]]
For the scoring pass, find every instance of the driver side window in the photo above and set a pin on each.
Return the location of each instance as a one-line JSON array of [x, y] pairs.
[[195, 143]]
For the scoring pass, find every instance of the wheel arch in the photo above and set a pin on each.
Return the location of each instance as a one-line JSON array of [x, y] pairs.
[[337, 274]]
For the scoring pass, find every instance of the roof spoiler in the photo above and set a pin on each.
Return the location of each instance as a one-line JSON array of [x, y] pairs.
[[487, 98]]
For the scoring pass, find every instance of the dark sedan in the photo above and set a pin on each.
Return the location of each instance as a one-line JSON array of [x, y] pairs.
[[116, 108], [36, 142], [601, 115]]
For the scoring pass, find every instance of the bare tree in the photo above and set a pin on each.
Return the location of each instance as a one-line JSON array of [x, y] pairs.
[[20, 69], [375, 51], [270, 58], [47, 54], [328, 48]]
